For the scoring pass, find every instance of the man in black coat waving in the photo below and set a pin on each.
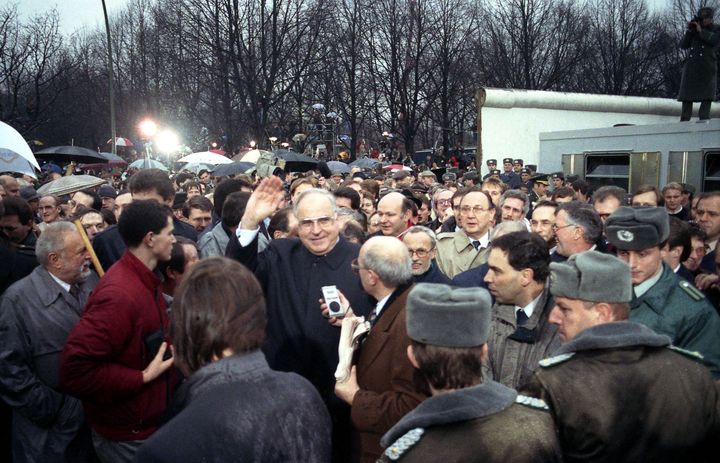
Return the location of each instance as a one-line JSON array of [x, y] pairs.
[[291, 272]]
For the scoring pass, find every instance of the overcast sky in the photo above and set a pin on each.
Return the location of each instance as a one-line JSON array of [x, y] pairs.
[[75, 14]]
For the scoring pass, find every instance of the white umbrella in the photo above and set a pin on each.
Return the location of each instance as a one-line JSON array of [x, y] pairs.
[[253, 156], [69, 184], [147, 164], [10, 161], [205, 157], [11, 140]]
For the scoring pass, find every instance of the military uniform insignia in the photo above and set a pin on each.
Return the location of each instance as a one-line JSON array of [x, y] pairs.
[[695, 355], [550, 361], [402, 445], [531, 402], [691, 290]]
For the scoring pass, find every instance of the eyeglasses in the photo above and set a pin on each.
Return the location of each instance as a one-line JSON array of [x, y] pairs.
[[556, 228], [444, 201], [309, 224], [466, 210], [355, 266], [421, 253]]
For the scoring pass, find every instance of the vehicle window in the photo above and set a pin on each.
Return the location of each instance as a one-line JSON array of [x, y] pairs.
[[607, 169]]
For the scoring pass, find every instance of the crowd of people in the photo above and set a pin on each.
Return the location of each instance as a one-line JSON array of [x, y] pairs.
[[512, 316]]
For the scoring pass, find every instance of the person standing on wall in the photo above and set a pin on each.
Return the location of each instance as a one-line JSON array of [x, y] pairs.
[[699, 78]]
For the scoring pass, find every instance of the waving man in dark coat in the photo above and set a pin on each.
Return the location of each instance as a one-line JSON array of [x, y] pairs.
[[291, 272]]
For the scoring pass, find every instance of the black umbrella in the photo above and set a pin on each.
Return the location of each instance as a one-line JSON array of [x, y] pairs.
[[233, 168], [294, 156], [70, 153]]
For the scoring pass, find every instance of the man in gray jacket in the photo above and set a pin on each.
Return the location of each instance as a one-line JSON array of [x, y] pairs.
[[520, 333], [36, 315]]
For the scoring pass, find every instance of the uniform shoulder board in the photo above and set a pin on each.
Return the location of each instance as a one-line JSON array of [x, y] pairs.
[[691, 290], [550, 361], [693, 354], [402, 445], [531, 402]]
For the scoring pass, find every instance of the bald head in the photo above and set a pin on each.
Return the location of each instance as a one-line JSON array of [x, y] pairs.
[[388, 258], [395, 212], [10, 185]]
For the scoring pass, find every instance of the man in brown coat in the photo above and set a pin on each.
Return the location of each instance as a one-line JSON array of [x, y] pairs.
[[468, 418], [520, 333], [382, 386], [619, 391]]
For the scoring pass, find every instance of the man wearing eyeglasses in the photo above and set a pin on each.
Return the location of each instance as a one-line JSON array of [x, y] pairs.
[[577, 229], [381, 388], [468, 247], [422, 243], [291, 272]]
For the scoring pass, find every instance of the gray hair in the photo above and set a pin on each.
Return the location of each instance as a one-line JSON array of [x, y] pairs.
[[584, 216], [315, 191], [420, 229], [52, 239], [517, 194], [503, 228], [392, 269]]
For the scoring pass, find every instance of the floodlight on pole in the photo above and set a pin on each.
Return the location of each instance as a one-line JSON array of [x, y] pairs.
[[147, 127]]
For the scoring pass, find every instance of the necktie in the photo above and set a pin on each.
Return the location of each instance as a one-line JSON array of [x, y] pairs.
[[476, 244], [522, 317]]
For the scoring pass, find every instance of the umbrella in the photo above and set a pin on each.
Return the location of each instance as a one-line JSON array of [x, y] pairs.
[[147, 164], [253, 156], [338, 166], [364, 163], [396, 167], [293, 156], [217, 151], [113, 160], [50, 167], [205, 157], [120, 141], [11, 140], [70, 153], [70, 184], [196, 167], [234, 168], [10, 161]]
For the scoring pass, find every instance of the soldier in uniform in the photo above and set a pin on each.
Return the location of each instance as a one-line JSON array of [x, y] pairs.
[[491, 165], [467, 419], [525, 179], [618, 391], [517, 165], [511, 179], [558, 179], [661, 300]]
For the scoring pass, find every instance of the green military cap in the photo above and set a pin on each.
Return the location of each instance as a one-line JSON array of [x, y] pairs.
[[427, 173], [635, 229], [442, 315], [591, 276]]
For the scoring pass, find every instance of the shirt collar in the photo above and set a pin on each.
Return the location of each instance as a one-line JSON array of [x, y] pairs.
[[63, 285], [530, 308], [381, 304], [645, 286], [484, 241]]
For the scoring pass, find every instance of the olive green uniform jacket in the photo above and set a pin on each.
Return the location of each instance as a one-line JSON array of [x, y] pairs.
[[619, 393], [677, 309], [484, 423], [514, 352]]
